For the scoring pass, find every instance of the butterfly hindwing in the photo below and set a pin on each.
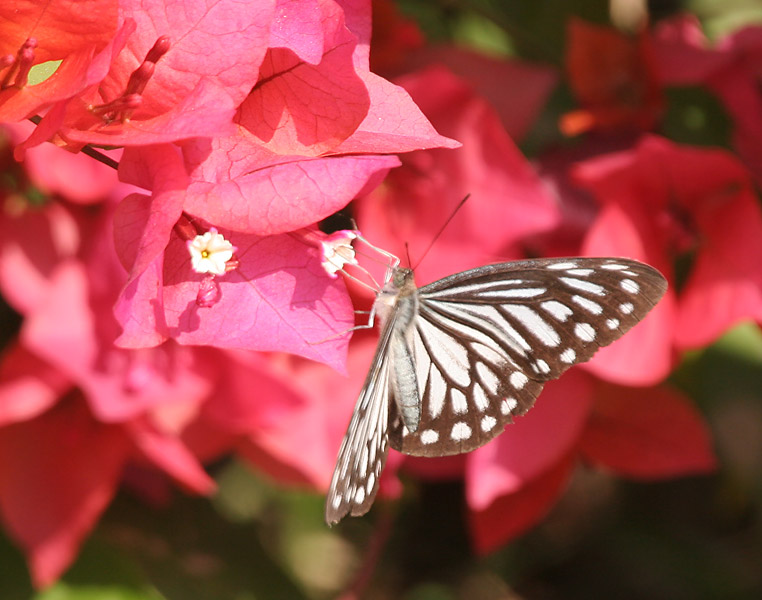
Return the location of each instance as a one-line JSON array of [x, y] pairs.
[[463, 407], [486, 341]]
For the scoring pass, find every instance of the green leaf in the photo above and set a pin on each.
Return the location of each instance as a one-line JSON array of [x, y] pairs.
[[63, 591]]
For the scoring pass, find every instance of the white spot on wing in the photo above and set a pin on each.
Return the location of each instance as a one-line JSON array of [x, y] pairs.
[[481, 341], [613, 267], [489, 353], [459, 403], [541, 366], [628, 285], [437, 391], [590, 306], [507, 405], [471, 288], [560, 266], [422, 364], [337, 501], [372, 458], [480, 398], [372, 481], [536, 325], [580, 272], [513, 293], [487, 377], [460, 431], [450, 354], [488, 423], [518, 379], [626, 308], [558, 310], [585, 332], [568, 356], [360, 495], [487, 317], [585, 286], [429, 436]]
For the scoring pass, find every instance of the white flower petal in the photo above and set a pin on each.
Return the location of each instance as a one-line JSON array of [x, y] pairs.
[[210, 252], [337, 251]]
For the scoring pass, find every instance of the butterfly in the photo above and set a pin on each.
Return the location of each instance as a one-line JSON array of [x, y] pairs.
[[458, 358]]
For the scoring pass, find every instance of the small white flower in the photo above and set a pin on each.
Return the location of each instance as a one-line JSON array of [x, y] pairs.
[[210, 252], [337, 251]]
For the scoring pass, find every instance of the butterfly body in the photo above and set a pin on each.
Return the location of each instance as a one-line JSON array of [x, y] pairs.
[[401, 292], [460, 357]]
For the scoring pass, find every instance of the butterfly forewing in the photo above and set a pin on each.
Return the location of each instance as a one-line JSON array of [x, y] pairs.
[[486, 340], [483, 343]]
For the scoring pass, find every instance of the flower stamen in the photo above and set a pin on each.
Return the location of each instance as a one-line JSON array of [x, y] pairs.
[[122, 108], [20, 65]]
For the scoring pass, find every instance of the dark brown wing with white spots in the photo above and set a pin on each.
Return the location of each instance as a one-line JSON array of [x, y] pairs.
[[487, 340]]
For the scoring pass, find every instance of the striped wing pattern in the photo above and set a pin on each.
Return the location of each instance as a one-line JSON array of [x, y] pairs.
[[366, 444], [484, 343], [487, 340]]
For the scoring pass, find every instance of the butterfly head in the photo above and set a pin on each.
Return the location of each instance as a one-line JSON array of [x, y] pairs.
[[403, 280]]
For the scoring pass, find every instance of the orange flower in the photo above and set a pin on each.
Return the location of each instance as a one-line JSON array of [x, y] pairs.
[[613, 76]]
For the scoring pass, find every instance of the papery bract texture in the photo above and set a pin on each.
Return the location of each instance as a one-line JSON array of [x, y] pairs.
[[661, 200], [648, 433]]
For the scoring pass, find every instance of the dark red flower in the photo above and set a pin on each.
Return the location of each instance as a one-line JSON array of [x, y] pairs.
[[614, 78]]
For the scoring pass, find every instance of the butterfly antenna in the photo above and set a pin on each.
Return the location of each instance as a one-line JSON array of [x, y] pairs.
[[407, 254], [441, 229]]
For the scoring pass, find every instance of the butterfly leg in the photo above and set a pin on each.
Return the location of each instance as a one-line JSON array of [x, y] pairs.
[[369, 325]]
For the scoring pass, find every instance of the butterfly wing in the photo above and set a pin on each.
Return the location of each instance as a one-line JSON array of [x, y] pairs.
[[365, 445], [487, 340]]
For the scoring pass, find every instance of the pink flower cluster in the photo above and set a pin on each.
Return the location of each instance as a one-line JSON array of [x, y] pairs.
[[240, 126]]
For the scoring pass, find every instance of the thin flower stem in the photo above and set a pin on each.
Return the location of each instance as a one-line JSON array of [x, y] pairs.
[[100, 157], [88, 150]]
